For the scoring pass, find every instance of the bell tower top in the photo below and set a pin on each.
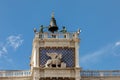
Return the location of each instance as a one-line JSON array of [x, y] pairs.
[[53, 26], [55, 53]]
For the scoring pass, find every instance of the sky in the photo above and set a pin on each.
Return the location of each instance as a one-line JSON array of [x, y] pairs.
[[99, 21]]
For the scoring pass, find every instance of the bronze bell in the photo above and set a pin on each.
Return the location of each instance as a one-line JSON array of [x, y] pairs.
[[53, 26]]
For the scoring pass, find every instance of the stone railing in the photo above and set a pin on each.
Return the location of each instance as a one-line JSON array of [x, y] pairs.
[[15, 73], [54, 72], [104, 73], [58, 35]]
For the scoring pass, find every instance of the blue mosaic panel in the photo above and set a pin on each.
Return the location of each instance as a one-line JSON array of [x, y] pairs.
[[67, 55]]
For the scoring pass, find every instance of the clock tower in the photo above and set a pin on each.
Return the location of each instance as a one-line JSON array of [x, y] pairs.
[[55, 53]]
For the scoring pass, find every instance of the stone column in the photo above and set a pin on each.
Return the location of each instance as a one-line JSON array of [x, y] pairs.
[[37, 57], [77, 53], [77, 67], [36, 52]]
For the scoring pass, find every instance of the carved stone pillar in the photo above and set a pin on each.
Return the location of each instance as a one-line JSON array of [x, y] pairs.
[[77, 54]]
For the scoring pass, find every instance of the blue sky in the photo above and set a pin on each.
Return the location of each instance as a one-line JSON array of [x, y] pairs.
[[98, 19]]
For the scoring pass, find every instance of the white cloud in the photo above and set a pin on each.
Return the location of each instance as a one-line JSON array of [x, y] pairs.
[[117, 43], [4, 49], [14, 41], [116, 49], [110, 49], [95, 56]]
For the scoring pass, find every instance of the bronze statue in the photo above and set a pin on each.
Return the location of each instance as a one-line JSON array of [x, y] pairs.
[[41, 28], [63, 30]]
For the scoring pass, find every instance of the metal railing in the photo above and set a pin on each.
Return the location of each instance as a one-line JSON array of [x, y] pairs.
[[15, 73], [97, 73]]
